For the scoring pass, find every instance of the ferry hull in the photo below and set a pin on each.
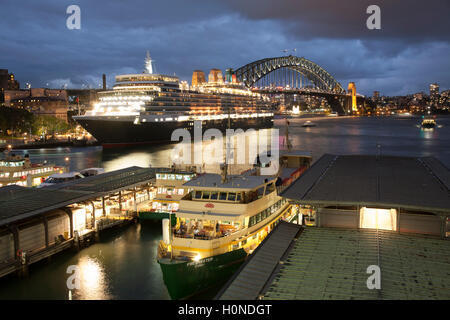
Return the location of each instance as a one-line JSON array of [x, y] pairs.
[[118, 133], [186, 278]]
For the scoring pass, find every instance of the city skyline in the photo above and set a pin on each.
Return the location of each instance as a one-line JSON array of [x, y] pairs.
[[404, 57]]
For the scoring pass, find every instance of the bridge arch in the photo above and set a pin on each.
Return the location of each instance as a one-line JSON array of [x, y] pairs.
[[252, 72]]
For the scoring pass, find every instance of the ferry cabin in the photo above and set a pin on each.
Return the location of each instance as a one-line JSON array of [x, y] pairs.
[[170, 190], [219, 216], [16, 170]]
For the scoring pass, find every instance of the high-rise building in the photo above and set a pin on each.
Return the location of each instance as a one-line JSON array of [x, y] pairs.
[[198, 77], [376, 95], [215, 76], [434, 89], [4, 76], [7, 81], [229, 75]]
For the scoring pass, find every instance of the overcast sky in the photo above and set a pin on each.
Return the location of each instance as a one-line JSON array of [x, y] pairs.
[[405, 56]]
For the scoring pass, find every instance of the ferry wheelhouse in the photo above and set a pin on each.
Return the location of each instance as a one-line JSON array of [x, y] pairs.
[[18, 170]]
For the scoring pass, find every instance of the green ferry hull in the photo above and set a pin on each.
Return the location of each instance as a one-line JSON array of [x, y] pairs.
[[158, 216], [186, 278]]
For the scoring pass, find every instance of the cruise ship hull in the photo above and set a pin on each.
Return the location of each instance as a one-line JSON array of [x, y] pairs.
[[122, 132]]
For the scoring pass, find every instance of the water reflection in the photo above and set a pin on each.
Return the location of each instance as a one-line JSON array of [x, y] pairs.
[[93, 282]]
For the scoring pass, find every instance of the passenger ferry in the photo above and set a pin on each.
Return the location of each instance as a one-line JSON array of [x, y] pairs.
[[18, 170], [428, 123], [148, 107], [169, 191], [221, 221]]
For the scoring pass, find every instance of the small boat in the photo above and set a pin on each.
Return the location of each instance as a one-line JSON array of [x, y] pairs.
[[57, 178], [428, 123], [18, 170], [308, 124]]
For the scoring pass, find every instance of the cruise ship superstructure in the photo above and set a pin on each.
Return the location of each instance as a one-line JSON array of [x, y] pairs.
[[148, 107]]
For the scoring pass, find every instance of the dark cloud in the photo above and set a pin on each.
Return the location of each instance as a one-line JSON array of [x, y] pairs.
[[409, 52], [415, 20]]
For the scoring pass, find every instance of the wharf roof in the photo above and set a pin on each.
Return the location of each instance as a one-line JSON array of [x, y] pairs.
[[252, 276], [17, 203], [214, 181], [331, 264], [421, 183]]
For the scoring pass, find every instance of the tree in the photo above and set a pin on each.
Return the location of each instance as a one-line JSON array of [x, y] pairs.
[[45, 125], [14, 121]]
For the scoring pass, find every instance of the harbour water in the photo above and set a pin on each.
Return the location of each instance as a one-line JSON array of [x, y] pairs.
[[122, 265]]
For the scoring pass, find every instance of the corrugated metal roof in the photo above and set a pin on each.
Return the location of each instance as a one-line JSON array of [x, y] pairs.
[[255, 273], [331, 263], [411, 183], [19, 202]]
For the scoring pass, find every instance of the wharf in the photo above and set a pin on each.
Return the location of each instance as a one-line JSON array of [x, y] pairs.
[[36, 223]]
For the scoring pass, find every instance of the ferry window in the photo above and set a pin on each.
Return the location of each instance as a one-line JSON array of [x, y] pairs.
[[251, 221], [169, 191], [198, 195], [264, 214], [238, 198], [187, 178], [270, 188], [223, 196], [214, 195], [158, 176], [244, 242], [171, 176], [163, 176], [258, 217], [260, 192], [180, 192], [206, 195], [179, 177], [232, 196]]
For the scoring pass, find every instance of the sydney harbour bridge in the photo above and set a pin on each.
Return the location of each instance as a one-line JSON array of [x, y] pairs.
[[291, 75]]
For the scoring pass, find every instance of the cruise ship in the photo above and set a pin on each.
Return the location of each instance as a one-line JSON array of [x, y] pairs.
[[146, 108]]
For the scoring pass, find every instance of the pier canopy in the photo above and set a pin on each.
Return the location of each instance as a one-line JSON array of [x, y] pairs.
[[17, 203], [409, 183]]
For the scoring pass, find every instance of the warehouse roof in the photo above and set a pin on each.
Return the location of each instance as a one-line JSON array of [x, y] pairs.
[[331, 263], [410, 183], [17, 203]]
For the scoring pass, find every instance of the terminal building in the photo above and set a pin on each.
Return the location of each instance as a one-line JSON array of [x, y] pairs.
[[356, 212]]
